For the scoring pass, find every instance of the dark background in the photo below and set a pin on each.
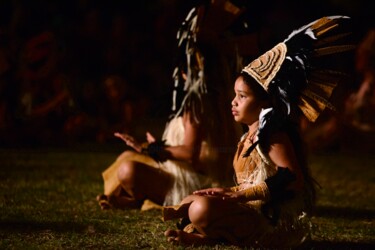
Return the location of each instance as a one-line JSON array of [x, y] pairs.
[[48, 47]]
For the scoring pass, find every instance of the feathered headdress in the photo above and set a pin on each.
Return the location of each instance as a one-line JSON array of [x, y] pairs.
[[302, 72], [304, 69]]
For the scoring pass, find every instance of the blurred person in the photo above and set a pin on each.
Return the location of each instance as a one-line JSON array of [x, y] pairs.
[[7, 89], [44, 98], [117, 108], [358, 132], [360, 106]]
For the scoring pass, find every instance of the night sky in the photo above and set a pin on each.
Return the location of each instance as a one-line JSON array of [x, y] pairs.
[[133, 41]]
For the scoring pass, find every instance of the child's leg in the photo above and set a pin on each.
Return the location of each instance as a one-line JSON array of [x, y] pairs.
[[178, 211], [222, 221]]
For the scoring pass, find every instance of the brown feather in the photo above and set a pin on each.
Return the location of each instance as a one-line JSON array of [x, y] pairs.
[[333, 50], [322, 89], [331, 39], [318, 100], [308, 110]]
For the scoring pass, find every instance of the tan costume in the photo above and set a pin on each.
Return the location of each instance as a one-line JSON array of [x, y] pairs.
[[293, 225]]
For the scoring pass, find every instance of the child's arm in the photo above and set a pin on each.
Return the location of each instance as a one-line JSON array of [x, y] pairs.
[[282, 154]]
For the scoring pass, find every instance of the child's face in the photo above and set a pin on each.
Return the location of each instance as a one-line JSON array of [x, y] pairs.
[[245, 105]]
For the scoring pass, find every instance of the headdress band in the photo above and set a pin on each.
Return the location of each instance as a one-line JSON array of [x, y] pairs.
[[264, 68]]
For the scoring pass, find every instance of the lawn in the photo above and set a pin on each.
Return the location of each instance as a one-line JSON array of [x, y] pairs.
[[48, 202]]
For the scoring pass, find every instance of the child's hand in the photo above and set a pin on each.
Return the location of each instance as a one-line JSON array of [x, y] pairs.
[[211, 191], [223, 193]]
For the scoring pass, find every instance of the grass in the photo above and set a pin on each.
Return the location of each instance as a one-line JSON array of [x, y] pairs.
[[47, 201]]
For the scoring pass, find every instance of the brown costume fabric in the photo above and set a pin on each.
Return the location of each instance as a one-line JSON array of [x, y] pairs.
[[293, 226]]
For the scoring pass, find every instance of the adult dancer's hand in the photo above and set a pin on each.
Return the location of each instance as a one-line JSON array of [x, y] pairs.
[[130, 141]]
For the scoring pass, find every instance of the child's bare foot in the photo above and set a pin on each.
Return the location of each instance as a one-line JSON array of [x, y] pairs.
[[180, 237]]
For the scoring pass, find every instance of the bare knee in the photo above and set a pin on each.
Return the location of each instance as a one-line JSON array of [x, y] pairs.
[[126, 174], [200, 211]]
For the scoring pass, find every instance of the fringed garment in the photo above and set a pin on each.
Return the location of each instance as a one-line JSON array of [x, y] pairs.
[[186, 179], [292, 226]]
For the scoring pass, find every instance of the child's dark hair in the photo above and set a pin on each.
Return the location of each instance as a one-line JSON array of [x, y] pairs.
[[255, 86]]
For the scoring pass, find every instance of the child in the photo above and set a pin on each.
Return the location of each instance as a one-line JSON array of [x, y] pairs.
[[274, 194]]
